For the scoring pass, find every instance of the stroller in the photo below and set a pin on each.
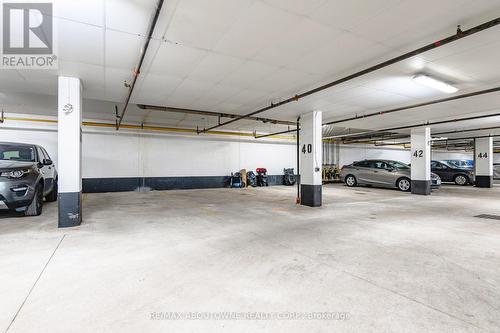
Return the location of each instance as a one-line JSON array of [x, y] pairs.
[[251, 179], [262, 177], [289, 178]]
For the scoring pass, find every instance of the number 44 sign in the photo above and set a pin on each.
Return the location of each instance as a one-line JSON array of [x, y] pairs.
[[483, 155]]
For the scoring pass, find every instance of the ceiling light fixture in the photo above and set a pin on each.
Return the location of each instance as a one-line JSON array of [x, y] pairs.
[[435, 84]]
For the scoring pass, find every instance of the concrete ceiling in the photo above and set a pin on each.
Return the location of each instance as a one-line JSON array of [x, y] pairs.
[[236, 56]]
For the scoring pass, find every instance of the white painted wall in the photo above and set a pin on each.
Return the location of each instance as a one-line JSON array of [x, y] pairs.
[[444, 155], [351, 153], [108, 153]]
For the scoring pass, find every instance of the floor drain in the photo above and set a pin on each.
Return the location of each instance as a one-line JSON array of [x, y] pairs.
[[487, 216]]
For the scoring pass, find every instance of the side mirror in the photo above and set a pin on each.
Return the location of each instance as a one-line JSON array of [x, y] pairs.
[[46, 161]]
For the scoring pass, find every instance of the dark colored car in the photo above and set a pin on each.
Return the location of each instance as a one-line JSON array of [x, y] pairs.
[[27, 175], [381, 173], [452, 173]]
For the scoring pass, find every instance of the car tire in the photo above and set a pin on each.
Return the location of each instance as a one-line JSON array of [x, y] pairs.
[[404, 184], [52, 196], [351, 181], [461, 180], [36, 206]]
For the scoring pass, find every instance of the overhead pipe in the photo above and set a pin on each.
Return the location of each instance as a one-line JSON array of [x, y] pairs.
[[472, 94], [418, 105], [459, 35], [416, 125], [439, 141], [402, 136], [137, 127], [211, 114], [137, 71], [276, 133]]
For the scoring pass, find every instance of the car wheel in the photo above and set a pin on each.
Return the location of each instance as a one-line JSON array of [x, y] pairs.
[[351, 181], [36, 205], [461, 180], [53, 194], [404, 184]]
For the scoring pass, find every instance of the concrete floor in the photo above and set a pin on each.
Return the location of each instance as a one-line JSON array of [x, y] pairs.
[[392, 261]]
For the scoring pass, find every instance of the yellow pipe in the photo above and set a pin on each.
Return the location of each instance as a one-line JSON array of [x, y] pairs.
[[32, 120], [176, 130], [144, 127]]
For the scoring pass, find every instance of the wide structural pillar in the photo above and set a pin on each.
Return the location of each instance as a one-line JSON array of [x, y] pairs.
[[421, 161], [483, 162], [311, 159], [69, 139]]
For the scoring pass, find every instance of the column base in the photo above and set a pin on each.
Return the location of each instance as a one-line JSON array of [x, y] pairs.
[[484, 181], [311, 195], [421, 187], [70, 209]]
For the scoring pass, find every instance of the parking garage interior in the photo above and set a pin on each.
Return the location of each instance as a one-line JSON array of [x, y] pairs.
[[171, 128]]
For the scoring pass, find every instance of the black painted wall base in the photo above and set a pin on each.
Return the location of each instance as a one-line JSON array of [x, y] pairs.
[[102, 185], [311, 195], [70, 209], [421, 187], [484, 181]]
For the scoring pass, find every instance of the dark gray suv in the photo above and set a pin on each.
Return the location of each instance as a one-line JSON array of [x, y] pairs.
[[27, 175]]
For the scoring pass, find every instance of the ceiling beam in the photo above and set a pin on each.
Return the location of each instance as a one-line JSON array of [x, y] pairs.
[[428, 123], [459, 35]]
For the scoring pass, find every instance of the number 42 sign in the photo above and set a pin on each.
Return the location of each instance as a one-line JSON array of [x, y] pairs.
[[418, 153]]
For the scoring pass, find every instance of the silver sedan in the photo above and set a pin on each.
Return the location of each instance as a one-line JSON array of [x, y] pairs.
[[381, 173]]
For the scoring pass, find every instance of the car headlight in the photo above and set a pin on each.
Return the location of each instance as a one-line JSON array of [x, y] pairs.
[[15, 173]]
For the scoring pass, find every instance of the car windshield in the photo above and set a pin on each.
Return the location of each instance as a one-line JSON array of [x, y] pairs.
[[459, 163], [399, 165], [448, 164], [21, 153]]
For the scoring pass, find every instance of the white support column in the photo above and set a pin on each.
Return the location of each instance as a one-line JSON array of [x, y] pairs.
[[483, 162], [69, 140], [311, 159], [421, 160]]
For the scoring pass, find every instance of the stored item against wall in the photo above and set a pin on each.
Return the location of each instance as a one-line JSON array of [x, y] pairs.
[[236, 181], [262, 177], [243, 173], [251, 179], [289, 178], [331, 173]]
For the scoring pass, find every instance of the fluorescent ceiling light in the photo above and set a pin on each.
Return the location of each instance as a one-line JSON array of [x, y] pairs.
[[435, 84], [440, 139]]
